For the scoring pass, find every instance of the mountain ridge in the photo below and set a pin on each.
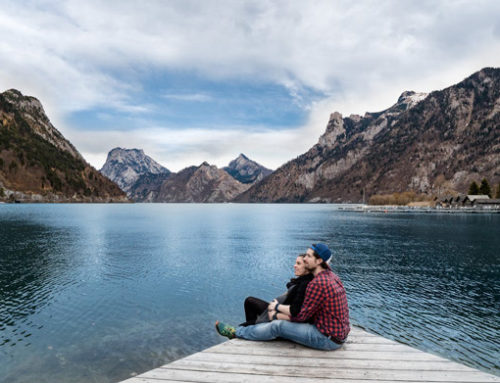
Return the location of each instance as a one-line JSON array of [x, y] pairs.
[[37, 164], [421, 143], [246, 170], [144, 180]]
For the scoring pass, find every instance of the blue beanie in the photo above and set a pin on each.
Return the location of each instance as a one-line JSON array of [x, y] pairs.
[[323, 251]]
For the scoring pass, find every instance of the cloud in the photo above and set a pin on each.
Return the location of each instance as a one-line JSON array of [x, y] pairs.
[[179, 148], [95, 51], [358, 56], [194, 97]]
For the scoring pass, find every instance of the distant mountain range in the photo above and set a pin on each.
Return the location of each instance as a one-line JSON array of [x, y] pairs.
[[38, 164], [145, 180], [424, 143], [204, 183]]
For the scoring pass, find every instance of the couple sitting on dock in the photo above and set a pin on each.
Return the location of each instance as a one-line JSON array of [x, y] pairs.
[[313, 312]]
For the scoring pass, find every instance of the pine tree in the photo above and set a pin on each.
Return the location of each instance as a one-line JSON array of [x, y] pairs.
[[473, 188], [485, 188], [498, 191]]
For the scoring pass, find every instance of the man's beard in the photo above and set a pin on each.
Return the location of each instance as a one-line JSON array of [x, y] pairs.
[[310, 268]]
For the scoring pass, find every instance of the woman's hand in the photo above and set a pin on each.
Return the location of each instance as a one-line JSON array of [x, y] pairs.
[[272, 305], [270, 314]]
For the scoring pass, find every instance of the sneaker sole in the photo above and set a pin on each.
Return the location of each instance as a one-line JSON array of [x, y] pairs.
[[218, 332]]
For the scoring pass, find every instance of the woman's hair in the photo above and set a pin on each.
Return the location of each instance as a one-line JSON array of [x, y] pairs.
[[324, 264], [302, 255]]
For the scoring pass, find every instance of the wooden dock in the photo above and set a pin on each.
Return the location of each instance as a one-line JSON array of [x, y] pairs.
[[364, 358]]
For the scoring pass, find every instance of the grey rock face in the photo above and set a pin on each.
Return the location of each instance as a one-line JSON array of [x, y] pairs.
[[247, 171], [147, 186], [204, 183], [125, 166]]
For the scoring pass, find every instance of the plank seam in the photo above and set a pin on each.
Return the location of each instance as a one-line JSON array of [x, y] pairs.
[[311, 378], [351, 368], [440, 360]]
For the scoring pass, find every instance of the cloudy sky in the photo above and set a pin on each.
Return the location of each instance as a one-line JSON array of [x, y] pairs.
[[193, 81]]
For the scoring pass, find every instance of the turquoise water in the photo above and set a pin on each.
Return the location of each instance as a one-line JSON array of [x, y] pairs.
[[98, 293]]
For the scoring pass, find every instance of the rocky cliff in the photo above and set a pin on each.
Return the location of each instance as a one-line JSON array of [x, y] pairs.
[[38, 164], [126, 166], [147, 187], [423, 143], [204, 183], [247, 171]]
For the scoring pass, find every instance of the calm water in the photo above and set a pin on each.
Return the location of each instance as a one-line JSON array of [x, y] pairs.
[[97, 293]]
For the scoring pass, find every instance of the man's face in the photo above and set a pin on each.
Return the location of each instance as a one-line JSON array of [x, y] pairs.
[[310, 261]]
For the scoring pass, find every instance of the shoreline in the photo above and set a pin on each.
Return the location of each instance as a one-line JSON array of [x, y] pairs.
[[414, 209], [347, 207]]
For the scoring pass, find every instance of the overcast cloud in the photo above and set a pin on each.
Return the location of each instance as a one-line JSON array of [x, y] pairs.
[[108, 72]]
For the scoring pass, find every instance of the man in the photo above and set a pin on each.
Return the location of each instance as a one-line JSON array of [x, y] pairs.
[[325, 305]]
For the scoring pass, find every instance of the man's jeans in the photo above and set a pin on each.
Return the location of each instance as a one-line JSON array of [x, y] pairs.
[[303, 333]]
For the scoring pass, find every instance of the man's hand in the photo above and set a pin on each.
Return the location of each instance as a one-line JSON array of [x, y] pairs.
[[272, 305], [270, 314]]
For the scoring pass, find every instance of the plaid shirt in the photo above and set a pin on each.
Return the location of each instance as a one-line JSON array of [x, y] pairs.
[[326, 304]]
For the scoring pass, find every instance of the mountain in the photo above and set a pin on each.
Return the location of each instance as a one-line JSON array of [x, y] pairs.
[[204, 183], [423, 143], [147, 186], [247, 171], [38, 164], [125, 166]]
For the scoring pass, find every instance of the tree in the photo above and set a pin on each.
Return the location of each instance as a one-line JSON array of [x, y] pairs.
[[485, 188], [439, 182], [498, 191], [473, 189]]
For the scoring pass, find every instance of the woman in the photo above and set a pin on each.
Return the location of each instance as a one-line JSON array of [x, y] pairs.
[[256, 310]]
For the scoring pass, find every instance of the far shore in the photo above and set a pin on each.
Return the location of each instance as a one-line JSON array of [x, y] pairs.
[[414, 209], [350, 207]]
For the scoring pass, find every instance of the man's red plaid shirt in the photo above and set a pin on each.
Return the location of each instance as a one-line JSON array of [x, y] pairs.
[[326, 304]]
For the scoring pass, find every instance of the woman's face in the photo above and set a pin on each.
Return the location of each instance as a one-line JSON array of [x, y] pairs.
[[300, 267]]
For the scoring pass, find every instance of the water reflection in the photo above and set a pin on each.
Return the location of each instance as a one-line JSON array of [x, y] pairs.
[[30, 276], [432, 275]]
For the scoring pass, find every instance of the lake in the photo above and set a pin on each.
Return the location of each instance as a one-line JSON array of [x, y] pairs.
[[98, 293]]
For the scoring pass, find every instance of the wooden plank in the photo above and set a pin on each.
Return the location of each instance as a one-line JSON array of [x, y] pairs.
[[160, 376], [286, 348], [328, 373], [359, 339], [340, 354], [382, 347], [390, 347], [138, 379], [441, 365]]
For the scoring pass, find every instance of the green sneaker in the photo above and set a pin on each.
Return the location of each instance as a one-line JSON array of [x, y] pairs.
[[225, 330]]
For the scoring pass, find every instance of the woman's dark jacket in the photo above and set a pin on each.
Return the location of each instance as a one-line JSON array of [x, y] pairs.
[[297, 292]]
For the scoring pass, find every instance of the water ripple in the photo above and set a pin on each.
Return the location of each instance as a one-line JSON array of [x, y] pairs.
[[102, 292]]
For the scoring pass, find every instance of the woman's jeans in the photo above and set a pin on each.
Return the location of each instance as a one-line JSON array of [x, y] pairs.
[[303, 333]]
